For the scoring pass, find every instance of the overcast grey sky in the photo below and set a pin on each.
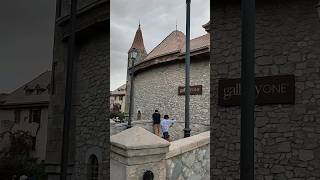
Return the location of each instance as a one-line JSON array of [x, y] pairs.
[[26, 40], [158, 18], [26, 34]]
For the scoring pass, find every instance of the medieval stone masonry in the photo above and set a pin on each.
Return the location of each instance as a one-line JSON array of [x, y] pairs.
[[89, 132], [161, 73], [287, 136], [161, 92]]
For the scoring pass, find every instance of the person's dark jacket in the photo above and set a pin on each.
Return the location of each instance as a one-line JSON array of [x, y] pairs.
[[156, 118]]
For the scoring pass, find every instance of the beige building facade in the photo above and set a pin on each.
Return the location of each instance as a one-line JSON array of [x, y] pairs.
[[118, 98], [26, 109]]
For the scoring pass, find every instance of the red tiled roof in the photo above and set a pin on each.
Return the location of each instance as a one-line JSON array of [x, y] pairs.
[[172, 43], [198, 43], [119, 91], [173, 47], [138, 41]]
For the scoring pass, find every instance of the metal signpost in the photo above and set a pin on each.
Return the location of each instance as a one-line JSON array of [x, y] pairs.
[[247, 90], [187, 71]]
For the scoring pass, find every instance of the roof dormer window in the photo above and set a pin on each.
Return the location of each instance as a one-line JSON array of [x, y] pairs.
[[39, 89], [28, 91]]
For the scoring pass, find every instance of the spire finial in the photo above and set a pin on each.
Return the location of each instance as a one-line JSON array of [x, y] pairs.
[[176, 24], [139, 23]]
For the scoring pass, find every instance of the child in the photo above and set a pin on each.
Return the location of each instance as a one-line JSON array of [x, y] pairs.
[[165, 125]]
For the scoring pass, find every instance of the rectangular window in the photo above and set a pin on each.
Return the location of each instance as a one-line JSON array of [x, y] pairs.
[[30, 116], [34, 142], [35, 115], [17, 116]]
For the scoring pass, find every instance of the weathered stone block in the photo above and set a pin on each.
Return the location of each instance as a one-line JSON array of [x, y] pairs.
[[306, 155]]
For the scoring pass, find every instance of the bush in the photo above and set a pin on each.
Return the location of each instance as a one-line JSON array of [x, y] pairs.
[[17, 160], [120, 115]]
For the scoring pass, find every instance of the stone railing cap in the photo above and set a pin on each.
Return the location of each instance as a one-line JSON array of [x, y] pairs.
[[137, 138], [188, 144]]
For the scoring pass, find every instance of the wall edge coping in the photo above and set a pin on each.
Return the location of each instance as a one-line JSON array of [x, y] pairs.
[[188, 144]]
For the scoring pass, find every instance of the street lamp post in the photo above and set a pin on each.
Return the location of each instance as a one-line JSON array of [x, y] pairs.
[[247, 90], [132, 55], [187, 71]]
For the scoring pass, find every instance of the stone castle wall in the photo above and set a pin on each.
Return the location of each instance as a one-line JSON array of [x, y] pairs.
[[287, 137], [89, 132], [157, 88], [82, 5], [90, 104], [189, 158]]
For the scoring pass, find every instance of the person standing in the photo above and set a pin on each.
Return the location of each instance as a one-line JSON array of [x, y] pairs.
[[139, 115], [166, 123], [156, 122]]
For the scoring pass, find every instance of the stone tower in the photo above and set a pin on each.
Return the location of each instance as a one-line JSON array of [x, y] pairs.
[[88, 132], [138, 46]]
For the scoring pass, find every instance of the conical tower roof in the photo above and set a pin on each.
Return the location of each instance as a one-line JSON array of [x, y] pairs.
[[138, 41]]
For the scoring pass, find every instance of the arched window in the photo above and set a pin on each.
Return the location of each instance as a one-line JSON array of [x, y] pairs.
[[93, 168]]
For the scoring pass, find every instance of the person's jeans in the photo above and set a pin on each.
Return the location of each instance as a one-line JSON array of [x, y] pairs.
[[156, 129]]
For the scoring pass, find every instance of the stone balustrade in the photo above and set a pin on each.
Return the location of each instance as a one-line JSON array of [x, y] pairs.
[[189, 158], [135, 151], [176, 131]]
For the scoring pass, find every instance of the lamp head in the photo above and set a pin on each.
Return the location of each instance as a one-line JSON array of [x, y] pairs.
[[133, 54]]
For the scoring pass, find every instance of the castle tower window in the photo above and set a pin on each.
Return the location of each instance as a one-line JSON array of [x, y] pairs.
[[93, 168]]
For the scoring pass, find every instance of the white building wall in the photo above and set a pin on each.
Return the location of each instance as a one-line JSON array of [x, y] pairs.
[[25, 125], [42, 135], [5, 115]]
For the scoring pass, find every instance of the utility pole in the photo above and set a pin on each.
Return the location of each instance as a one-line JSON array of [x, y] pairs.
[[187, 71], [68, 93], [247, 90]]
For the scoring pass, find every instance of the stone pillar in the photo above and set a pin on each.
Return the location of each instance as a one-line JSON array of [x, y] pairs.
[[135, 151]]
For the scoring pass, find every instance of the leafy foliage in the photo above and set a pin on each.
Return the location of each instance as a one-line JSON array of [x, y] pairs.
[[17, 160], [117, 113]]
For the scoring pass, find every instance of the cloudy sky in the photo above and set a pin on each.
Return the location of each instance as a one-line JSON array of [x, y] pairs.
[[26, 34], [26, 40], [158, 18]]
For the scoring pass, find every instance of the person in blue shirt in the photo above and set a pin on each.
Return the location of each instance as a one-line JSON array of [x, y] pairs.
[[165, 124]]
